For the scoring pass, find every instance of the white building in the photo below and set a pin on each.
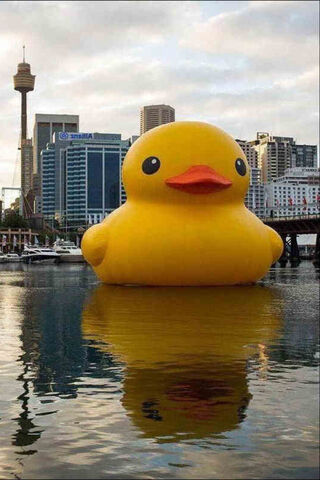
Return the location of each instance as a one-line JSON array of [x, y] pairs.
[[297, 192], [255, 198]]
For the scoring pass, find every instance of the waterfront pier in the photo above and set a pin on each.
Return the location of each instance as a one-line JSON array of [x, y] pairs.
[[288, 228]]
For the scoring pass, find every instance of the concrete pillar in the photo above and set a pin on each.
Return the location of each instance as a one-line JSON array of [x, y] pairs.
[[284, 258], [294, 251], [316, 260]]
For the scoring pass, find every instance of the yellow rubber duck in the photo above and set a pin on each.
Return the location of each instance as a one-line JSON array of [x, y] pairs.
[[184, 222]]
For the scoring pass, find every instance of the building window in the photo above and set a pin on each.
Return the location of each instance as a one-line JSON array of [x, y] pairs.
[[112, 180], [95, 180]]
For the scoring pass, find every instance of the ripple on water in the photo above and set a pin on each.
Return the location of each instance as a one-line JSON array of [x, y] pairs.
[[111, 382]]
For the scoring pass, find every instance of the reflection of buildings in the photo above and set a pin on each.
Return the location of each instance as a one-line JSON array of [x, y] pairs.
[[82, 176], [186, 352], [54, 355], [299, 345]]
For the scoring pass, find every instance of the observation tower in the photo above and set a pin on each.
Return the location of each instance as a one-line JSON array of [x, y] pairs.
[[24, 83]]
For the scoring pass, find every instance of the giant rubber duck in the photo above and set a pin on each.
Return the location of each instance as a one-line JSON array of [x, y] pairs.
[[184, 353], [184, 222]]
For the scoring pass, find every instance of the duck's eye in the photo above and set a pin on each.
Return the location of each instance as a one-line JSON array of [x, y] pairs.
[[151, 165], [241, 167]]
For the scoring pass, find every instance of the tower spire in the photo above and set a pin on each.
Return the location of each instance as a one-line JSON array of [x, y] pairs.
[[24, 53]]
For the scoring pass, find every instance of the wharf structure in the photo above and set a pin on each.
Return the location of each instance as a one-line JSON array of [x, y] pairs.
[[81, 177], [16, 238]]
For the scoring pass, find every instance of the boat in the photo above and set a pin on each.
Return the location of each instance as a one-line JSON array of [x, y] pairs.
[[12, 257], [39, 254], [68, 251], [3, 257]]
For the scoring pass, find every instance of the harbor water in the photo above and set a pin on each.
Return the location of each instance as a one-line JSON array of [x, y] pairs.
[[126, 382]]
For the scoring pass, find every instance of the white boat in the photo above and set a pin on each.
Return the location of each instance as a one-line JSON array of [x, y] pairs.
[[12, 257], [68, 251], [39, 254], [3, 257]]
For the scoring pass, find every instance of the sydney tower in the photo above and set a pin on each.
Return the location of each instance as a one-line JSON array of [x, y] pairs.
[[24, 83]]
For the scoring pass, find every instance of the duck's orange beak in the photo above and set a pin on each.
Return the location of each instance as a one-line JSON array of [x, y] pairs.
[[199, 179]]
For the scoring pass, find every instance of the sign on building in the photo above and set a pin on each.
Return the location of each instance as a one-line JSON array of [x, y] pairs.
[[67, 136]]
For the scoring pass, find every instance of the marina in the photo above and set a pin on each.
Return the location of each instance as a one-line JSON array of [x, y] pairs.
[[61, 252], [117, 382], [68, 251]]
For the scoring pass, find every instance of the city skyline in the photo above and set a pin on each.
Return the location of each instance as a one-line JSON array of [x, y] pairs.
[[243, 66]]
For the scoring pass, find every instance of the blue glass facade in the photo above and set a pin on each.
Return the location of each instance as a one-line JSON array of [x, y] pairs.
[[112, 166], [83, 178], [48, 182], [95, 179], [75, 189]]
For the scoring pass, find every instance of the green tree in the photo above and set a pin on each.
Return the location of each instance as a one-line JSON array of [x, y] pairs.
[[14, 220]]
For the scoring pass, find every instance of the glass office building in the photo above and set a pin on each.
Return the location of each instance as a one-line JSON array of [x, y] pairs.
[[87, 177], [45, 126], [48, 182]]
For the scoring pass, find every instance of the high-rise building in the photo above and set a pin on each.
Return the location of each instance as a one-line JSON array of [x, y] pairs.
[[26, 165], [152, 116], [48, 187], [297, 192], [24, 83], [255, 196], [304, 156], [250, 153], [274, 155], [81, 177], [45, 125]]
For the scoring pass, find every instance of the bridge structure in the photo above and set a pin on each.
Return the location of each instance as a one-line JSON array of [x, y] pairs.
[[288, 228]]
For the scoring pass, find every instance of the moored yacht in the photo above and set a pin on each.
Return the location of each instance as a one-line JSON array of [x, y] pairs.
[[68, 251], [39, 254], [12, 257], [3, 257]]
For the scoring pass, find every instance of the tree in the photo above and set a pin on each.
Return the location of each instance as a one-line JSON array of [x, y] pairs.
[[14, 220]]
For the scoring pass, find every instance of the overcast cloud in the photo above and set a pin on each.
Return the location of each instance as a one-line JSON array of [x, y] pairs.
[[244, 66]]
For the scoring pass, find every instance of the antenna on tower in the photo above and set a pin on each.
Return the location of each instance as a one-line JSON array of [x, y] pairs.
[[24, 53]]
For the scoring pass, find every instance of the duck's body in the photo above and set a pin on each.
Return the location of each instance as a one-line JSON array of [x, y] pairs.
[[160, 246], [185, 239]]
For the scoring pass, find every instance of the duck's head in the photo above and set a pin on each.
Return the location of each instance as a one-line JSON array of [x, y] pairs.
[[186, 162]]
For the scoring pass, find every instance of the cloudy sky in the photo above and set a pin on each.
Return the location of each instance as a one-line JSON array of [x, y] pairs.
[[244, 66]]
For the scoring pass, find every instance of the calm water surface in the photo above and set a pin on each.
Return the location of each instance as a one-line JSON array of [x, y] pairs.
[[126, 382]]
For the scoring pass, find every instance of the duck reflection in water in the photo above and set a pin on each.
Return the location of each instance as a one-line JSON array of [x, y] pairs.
[[186, 352]]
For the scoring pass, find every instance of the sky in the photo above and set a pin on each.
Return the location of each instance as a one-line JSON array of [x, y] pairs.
[[243, 66]]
